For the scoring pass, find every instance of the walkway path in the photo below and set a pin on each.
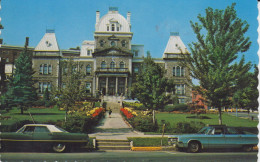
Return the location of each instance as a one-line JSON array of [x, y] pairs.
[[115, 127]]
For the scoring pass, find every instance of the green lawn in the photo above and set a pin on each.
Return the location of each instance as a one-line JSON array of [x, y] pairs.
[[227, 119], [39, 115]]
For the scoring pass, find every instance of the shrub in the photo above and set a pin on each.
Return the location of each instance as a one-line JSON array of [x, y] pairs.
[[135, 105], [176, 107], [148, 141], [144, 124], [189, 127]]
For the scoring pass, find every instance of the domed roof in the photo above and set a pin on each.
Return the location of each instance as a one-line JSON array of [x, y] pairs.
[[113, 17]]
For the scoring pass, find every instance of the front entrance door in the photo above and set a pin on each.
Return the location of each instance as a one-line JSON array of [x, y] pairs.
[[111, 86]]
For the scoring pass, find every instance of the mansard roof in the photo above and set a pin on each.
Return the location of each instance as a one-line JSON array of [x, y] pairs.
[[48, 42], [175, 45]]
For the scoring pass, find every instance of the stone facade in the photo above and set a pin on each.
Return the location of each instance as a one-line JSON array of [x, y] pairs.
[[111, 62]]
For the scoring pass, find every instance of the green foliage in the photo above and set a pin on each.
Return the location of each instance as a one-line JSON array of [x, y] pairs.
[[20, 89], [189, 127], [144, 123], [72, 89], [80, 123], [176, 107], [151, 85], [148, 141], [220, 37], [247, 93], [135, 105]]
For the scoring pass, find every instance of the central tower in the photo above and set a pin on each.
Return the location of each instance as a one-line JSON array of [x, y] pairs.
[[113, 57]]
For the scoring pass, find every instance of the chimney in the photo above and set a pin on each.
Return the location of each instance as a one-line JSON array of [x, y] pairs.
[[128, 17], [97, 16]]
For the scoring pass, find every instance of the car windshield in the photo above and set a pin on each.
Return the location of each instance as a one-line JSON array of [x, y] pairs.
[[205, 130]]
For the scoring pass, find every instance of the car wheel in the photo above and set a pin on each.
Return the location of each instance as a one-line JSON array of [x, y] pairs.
[[59, 147], [247, 148], [194, 147]]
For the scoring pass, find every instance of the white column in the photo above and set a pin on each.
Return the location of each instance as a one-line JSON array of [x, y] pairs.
[[116, 86], [106, 85], [126, 89]]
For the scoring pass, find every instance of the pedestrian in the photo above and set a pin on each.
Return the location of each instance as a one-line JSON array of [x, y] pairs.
[[109, 112]]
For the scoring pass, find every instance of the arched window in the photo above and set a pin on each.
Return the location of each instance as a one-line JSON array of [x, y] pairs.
[[88, 70], [123, 43], [112, 65], [113, 27], [113, 43], [103, 65], [101, 43], [122, 65]]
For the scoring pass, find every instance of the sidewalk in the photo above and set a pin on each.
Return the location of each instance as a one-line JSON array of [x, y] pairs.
[[115, 127]]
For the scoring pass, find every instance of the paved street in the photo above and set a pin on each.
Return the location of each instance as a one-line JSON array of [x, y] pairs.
[[125, 156]]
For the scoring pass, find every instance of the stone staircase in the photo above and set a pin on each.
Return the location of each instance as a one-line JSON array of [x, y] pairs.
[[109, 144]]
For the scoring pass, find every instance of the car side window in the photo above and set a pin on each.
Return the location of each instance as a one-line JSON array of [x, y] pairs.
[[41, 129], [232, 131], [29, 129], [219, 131]]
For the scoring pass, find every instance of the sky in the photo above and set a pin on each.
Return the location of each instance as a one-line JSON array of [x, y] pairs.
[[151, 20]]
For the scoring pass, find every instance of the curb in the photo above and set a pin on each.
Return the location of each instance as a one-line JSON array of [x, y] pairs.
[[146, 149]]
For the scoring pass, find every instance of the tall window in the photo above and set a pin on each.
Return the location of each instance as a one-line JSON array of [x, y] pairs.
[[88, 87], [49, 69], [43, 86], [180, 89], [123, 43], [103, 65], [45, 69], [112, 65], [178, 71], [122, 65], [113, 27], [89, 52], [88, 69], [101, 43]]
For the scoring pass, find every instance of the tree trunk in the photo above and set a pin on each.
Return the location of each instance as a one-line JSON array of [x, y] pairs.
[[153, 116], [220, 116], [21, 107]]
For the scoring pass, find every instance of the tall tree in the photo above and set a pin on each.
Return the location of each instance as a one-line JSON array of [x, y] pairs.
[[214, 60], [247, 93], [151, 85], [21, 91], [72, 88]]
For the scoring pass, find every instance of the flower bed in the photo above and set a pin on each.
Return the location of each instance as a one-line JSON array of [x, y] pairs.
[[129, 114]]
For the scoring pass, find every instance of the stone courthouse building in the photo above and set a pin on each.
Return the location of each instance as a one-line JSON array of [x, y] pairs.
[[111, 61]]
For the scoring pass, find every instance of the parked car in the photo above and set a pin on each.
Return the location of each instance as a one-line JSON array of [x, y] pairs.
[[44, 136], [214, 136]]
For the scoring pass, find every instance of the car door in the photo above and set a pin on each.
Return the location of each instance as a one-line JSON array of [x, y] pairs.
[[25, 137], [216, 139], [42, 137], [233, 138]]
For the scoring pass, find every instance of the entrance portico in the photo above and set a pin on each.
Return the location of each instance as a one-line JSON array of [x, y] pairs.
[[113, 85]]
